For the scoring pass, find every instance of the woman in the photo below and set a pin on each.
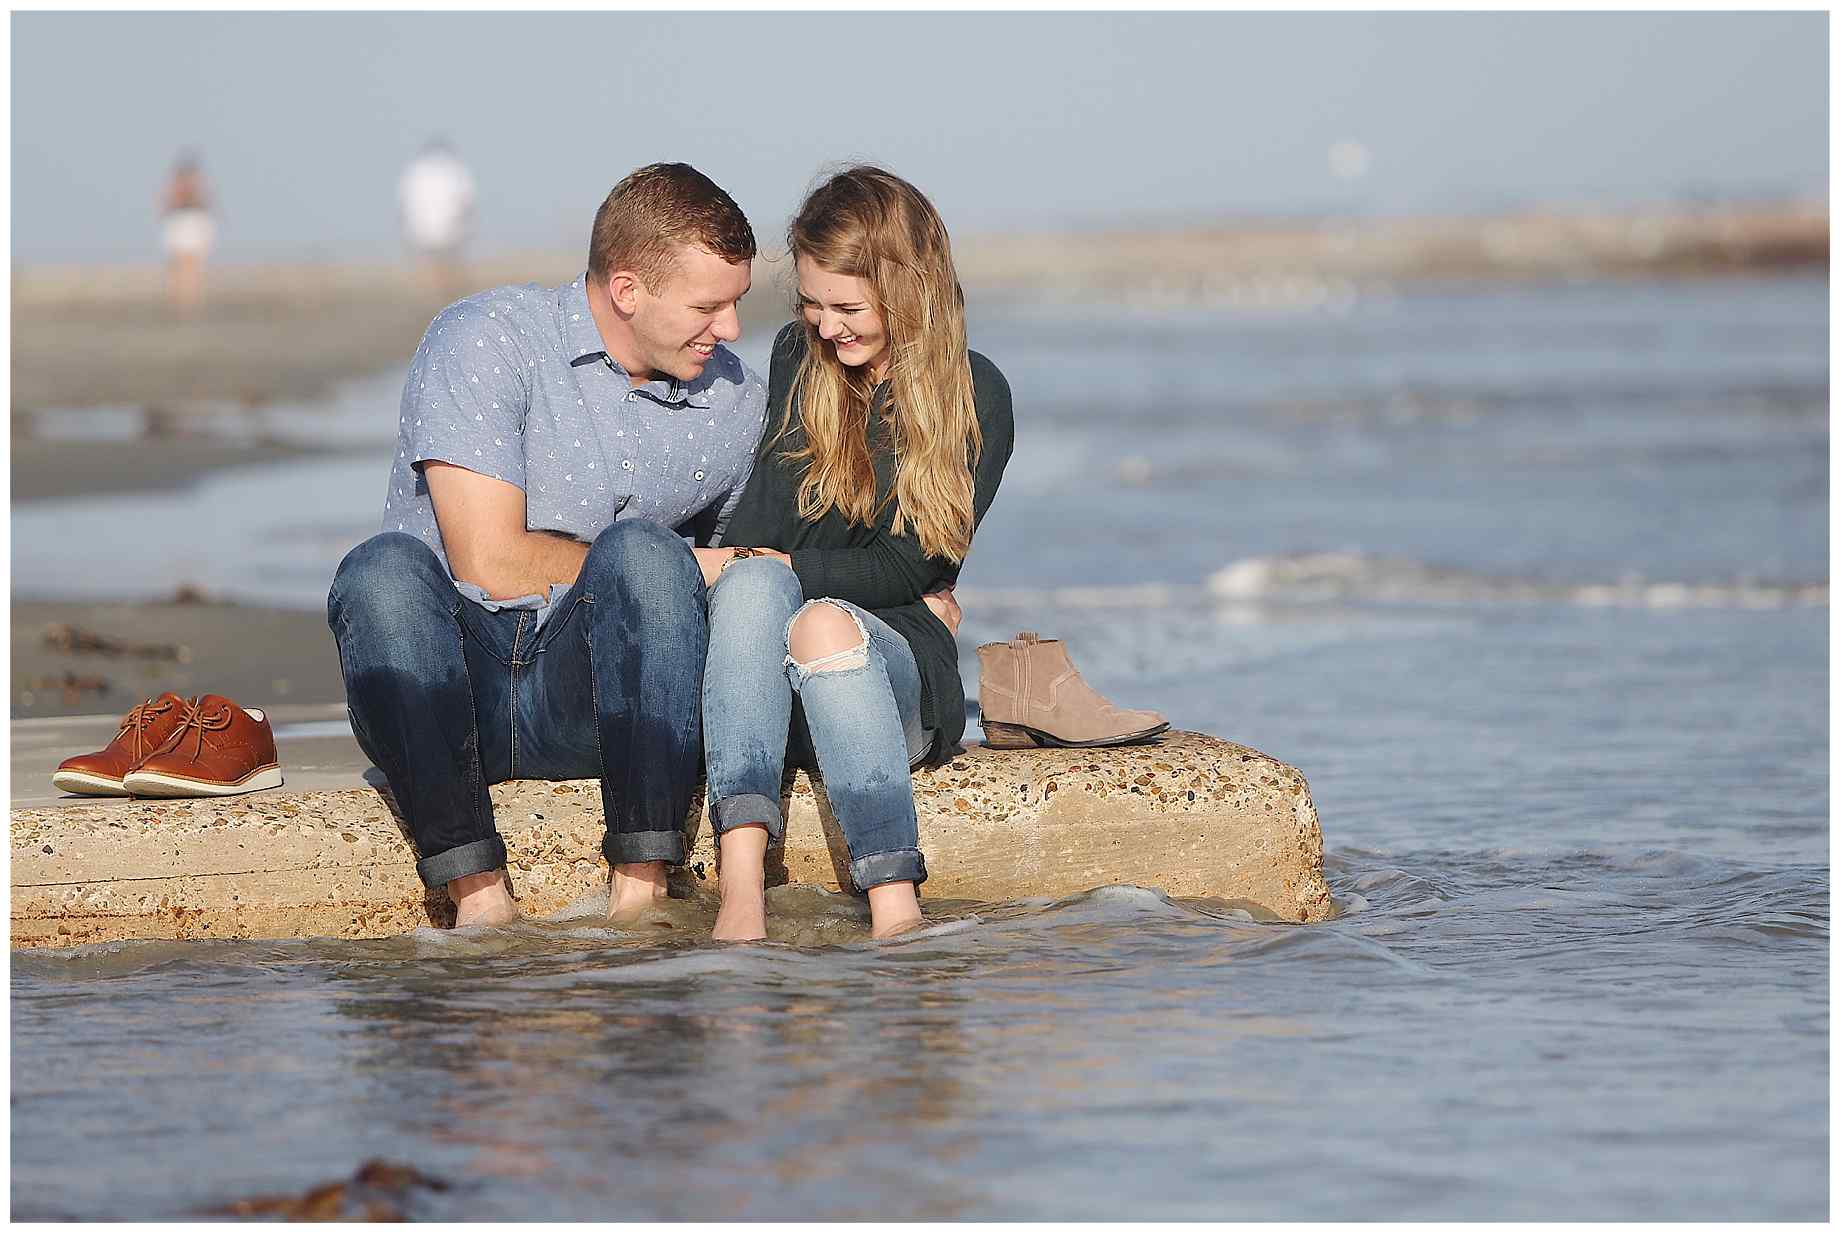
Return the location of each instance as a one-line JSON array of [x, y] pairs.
[[831, 634], [187, 230]]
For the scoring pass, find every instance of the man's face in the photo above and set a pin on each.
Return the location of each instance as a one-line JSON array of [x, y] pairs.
[[678, 323]]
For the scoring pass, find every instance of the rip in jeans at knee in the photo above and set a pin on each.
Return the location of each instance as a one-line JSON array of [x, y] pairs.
[[837, 661]]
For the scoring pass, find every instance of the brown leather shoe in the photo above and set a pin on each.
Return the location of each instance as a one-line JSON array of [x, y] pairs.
[[1031, 694], [219, 749], [143, 730]]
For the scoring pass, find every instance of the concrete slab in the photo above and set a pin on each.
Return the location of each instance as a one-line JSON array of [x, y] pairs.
[[1193, 815]]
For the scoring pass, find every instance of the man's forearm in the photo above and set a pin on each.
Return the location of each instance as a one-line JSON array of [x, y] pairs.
[[538, 559], [528, 565]]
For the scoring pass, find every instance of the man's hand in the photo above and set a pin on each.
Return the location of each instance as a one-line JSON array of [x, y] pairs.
[[945, 606], [711, 560]]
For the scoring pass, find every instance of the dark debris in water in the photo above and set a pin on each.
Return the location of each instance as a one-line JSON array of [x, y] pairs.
[[378, 1191]]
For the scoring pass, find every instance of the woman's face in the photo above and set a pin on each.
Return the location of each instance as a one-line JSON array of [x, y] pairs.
[[837, 306]]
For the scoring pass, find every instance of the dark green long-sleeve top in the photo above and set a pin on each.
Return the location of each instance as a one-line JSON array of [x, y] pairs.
[[869, 565]]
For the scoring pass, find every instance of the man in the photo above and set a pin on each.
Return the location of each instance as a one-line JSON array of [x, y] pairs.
[[436, 192], [532, 608]]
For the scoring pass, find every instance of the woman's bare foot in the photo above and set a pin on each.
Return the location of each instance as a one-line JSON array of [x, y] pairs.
[[481, 899], [743, 875], [894, 908], [635, 888], [743, 917]]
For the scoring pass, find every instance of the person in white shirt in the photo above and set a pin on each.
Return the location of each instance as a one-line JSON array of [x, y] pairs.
[[436, 193]]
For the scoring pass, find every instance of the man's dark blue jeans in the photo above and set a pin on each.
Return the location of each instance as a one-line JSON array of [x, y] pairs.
[[447, 697]]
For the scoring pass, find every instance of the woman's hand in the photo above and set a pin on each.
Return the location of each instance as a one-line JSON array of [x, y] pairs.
[[712, 560], [945, 606]]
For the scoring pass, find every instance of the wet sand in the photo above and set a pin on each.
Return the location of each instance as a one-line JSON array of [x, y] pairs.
[[257, 656], [49, 470]]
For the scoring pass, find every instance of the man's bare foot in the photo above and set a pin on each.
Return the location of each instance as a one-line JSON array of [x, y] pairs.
[[742, 871], [635, 888], [481, 899], [894, 908]]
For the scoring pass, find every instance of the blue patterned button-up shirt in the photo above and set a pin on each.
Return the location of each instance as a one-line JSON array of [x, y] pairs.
[[515, 383]]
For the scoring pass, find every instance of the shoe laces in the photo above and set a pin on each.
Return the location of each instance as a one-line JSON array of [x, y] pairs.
[[142, 718], [199, 721]]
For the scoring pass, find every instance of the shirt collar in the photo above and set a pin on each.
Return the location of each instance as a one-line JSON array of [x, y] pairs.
[[584, 340], [583, 336]]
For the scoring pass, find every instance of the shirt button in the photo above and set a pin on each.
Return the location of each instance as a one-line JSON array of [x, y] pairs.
[[626, 464], [632, 398], [699, 475]]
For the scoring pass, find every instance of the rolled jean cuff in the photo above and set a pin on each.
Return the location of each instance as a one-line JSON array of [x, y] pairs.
[[748, 809], [900, 865], [480, 856], [635, 847]]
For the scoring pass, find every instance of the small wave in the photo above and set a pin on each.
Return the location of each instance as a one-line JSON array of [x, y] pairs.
[[1100, 904], [1351, 577], [103, 960], [687, 965], [1347, 575], [1652, 891], [1139, 596], [931, 932]]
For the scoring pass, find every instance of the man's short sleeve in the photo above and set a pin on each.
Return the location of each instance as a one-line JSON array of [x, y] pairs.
[[465, 398]]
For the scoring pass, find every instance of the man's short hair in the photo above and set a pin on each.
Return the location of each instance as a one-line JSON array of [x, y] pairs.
[[657, 208]]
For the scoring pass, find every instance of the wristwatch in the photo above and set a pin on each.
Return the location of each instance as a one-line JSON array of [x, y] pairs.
[[739, 554]]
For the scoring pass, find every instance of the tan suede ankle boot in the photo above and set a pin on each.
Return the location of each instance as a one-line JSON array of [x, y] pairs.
[[1031, 694]]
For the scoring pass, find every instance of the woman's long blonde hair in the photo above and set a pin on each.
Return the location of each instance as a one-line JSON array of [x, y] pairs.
[[869, 224]]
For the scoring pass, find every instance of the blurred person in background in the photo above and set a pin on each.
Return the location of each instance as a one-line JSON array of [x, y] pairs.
[[436, 194], [831, 631], [187, 230]]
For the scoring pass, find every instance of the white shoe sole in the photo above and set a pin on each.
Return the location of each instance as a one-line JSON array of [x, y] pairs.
[[82, 783], [153, 783]]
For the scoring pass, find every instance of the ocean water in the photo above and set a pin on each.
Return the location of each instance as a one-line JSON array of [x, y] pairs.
[[1531, 583]]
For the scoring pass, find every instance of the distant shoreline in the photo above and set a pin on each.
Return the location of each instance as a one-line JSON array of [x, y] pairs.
[[104, 336], [1534, 245], [1703, 240]]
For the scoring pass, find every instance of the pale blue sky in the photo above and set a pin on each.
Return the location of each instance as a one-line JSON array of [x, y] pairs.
[[305, 120]]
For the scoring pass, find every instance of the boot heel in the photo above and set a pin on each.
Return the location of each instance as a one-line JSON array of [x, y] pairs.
[[1008, 736]]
